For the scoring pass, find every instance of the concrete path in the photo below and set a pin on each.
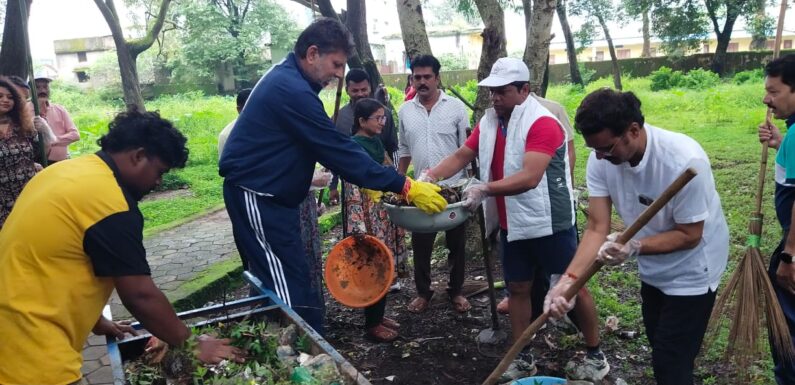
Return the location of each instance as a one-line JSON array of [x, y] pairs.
[[175, 257]]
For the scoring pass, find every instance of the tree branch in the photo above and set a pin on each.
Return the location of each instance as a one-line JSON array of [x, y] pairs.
[[137, 46]]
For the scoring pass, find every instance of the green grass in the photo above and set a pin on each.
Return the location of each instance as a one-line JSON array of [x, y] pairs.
[[722, 118]]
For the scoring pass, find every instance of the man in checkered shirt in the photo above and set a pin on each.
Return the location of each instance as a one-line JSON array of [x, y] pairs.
[[432, 126]]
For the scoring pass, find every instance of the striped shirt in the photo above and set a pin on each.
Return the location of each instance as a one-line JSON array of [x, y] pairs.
[[429, 137]]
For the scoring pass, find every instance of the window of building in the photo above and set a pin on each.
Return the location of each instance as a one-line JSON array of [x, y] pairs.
[[770, 44], [600, 55], [705, 48], [624, 54], [733, 47], [787, 44], [81, 57], [82, 76]]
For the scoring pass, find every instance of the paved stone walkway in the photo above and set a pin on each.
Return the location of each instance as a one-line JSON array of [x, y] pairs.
[[175, 257]]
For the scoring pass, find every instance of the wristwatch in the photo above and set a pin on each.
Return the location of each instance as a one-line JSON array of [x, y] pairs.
[[785, 257]]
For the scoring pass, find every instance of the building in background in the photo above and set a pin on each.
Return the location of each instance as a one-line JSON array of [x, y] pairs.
[[73, 57]]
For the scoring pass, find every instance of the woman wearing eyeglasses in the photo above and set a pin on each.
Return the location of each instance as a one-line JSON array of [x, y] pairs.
[[367, 216]]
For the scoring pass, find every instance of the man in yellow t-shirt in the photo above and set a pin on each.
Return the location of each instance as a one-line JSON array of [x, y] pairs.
[[74, 235]]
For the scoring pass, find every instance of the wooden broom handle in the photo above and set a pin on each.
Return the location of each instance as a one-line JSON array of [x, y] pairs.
[[763, 162], [624, 237]]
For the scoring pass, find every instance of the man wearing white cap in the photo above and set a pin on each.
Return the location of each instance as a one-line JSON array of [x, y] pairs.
[[527, 191]]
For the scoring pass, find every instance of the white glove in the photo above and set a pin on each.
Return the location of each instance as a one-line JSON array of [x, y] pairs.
[[426, 176], [42, 127], [474, 194], [555, 303], [321, 179], [612, 253]]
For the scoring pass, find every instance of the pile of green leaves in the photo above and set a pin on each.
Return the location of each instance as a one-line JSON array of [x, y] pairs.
[[262, 366], [697, 79]]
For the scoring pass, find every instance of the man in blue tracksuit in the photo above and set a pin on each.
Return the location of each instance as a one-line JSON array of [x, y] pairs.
[[269, 158], [780, 97]]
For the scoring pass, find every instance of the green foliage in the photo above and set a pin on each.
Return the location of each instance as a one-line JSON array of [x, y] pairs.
[[700, 79], [666, 78], [760, 26], [682, 25], [452, 62], [584, 36], [586, 73], [751, 75], [214, 36], [468, 90]]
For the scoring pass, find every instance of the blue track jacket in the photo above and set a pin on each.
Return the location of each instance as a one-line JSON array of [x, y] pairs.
[[280, 134]]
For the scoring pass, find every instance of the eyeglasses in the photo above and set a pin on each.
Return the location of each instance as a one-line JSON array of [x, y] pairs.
[[381, 119], [609, 152]]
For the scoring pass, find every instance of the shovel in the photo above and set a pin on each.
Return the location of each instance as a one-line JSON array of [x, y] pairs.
[[493, 335]]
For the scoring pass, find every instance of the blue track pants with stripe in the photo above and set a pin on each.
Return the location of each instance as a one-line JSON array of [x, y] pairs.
[[268, 238]]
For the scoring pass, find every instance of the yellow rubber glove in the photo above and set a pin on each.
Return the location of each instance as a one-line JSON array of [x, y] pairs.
[[374, 195], [424, 195]]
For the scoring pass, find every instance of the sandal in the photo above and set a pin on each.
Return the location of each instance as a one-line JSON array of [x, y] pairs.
[[390, 323], [460, 303], [381, 333], [418, 305]]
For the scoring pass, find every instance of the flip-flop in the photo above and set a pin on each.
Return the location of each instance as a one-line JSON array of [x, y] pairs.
[[459, 306], [390, 323], [381, 333], [418, 305]]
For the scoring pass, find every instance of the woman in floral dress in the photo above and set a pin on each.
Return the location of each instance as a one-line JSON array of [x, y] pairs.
[[17, 137], [366, 216]]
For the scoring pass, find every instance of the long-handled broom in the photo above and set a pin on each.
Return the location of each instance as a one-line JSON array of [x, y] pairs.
[[749, 296], [578, 284]]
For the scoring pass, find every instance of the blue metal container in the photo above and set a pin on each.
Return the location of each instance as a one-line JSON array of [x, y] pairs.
[[539, 381]]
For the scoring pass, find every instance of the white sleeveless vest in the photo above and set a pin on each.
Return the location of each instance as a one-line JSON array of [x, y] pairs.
[[538, 212]]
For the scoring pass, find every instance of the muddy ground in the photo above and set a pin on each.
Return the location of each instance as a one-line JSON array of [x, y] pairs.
[[439, 346]]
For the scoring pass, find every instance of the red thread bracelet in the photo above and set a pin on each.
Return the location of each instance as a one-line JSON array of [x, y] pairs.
[[571, 275]]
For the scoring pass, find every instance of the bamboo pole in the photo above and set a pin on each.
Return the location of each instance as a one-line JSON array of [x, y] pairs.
[[579, 283]]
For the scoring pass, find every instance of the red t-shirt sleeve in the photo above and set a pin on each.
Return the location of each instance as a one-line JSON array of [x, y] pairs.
[[472, 140], [545, 136]]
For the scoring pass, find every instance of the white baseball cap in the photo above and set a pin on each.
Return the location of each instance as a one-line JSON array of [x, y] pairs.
[[505, 71]]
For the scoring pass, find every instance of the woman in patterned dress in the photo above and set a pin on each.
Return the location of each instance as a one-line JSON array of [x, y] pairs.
[[368, 216], [17, 138]]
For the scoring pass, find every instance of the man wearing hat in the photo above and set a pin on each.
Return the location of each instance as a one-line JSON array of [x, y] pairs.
[[527, 192], [59, 120]]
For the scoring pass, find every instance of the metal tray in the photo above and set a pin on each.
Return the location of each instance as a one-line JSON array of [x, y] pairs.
[[265, 306]]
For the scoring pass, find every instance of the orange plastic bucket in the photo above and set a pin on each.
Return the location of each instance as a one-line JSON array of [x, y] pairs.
[[359, 271]]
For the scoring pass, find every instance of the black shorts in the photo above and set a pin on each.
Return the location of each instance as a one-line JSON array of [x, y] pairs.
[[551, 253]]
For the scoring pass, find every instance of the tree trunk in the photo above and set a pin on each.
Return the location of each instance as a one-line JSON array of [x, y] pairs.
[[719, 59], [759, 42], [127, 51], [536, 52], [542, 91], [412, 26], [13, 56], [724, 37], [646, 35], [493, 48], [613, 57], [571, 50], [356, 21]]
